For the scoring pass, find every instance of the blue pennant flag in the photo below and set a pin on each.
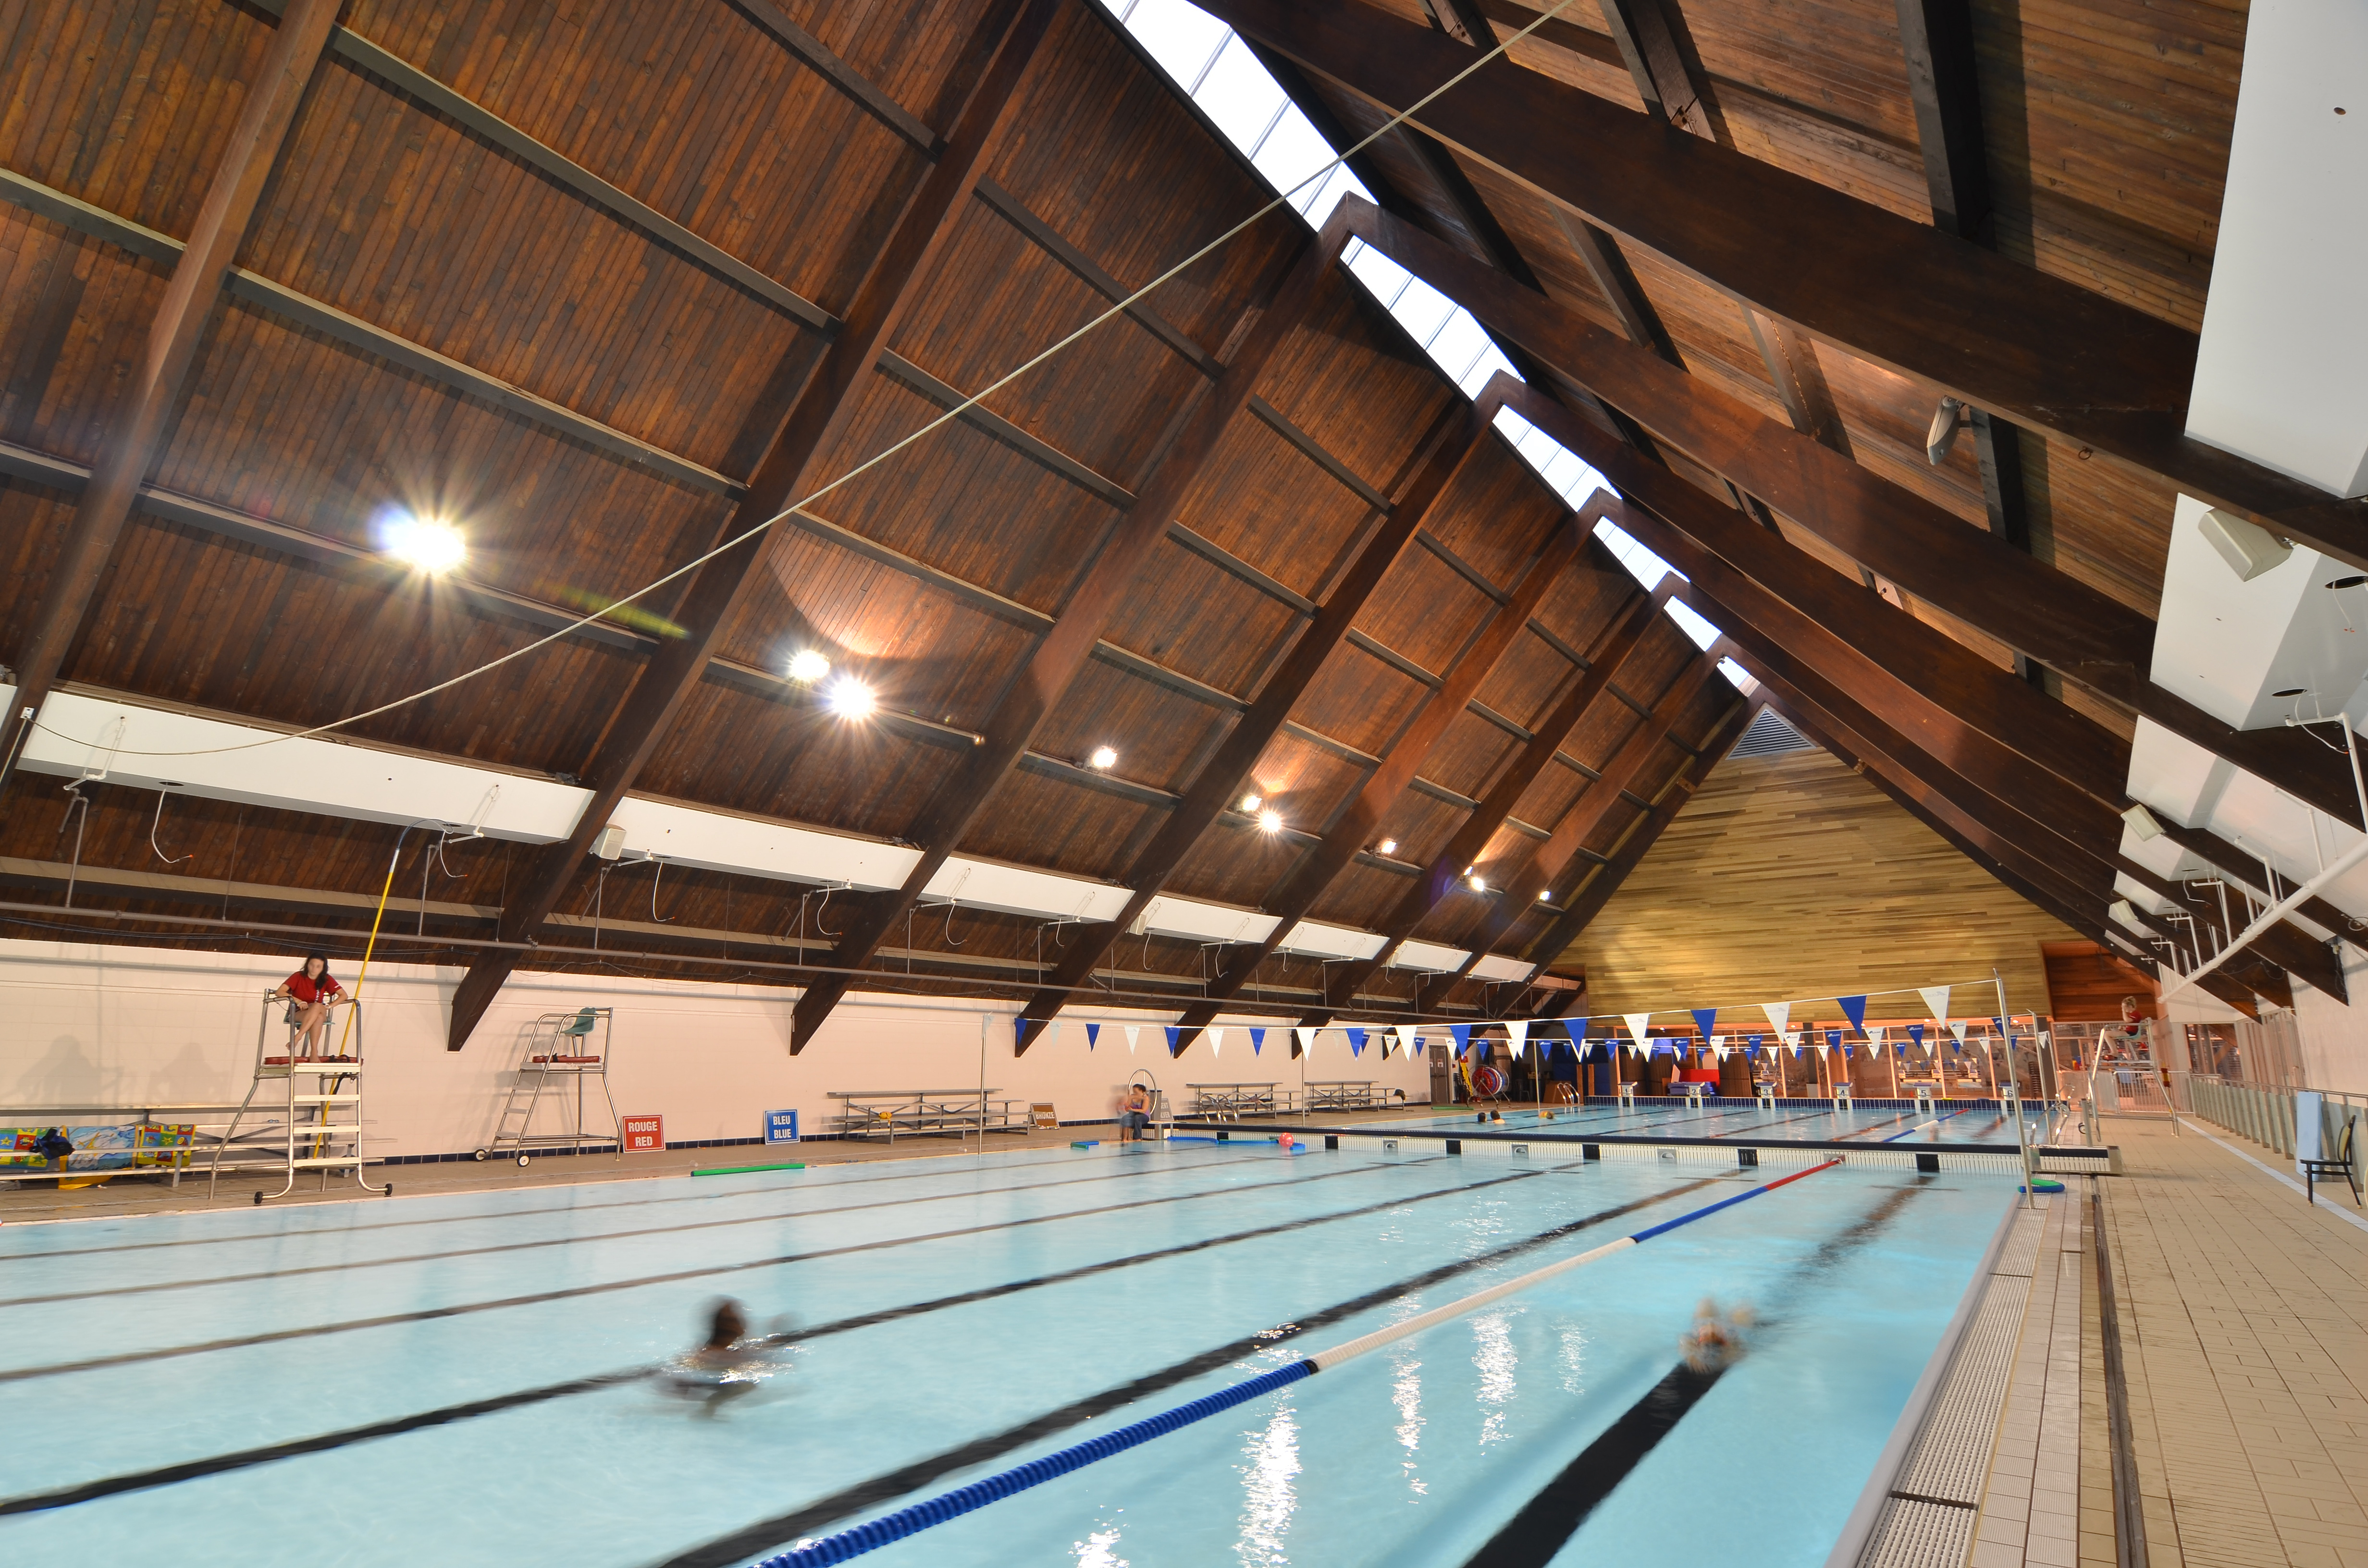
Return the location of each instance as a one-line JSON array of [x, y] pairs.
[[1172, 1032], [1916, 1033], [1999, 1024], [1019, 1033], [1902, 1046], [1855, 1007], [1705, 1017], [1356, 1041], [1834, 1039], [1756, 1040], [1257, 1038], [1093, 1033], [1846, 1050], [1462, 1033]]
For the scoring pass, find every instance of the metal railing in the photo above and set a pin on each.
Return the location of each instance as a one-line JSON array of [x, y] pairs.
[[2265, 1114]]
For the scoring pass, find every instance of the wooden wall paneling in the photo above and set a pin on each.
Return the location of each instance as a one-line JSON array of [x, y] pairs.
[[141, 422], [2085, 983], [1769, 848]]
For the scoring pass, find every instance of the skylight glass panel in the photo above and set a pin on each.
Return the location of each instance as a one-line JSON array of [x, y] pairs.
[[1222, 74], [1182, 37]]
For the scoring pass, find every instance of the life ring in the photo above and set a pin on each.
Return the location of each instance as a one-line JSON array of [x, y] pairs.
[[1488, 1080]]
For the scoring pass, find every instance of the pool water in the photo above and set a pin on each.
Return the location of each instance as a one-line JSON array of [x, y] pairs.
[[1743, 1119], [458, 1378]]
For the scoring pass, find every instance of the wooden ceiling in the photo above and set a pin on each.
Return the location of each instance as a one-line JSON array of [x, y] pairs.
[[583, 279]]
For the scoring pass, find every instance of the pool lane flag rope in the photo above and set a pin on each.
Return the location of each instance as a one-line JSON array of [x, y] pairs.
[[891, 1527]]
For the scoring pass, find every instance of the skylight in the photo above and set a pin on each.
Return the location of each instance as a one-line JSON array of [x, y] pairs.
[[1217, 71]]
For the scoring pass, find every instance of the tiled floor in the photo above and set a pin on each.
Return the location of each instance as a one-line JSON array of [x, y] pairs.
[[2244, 1329]]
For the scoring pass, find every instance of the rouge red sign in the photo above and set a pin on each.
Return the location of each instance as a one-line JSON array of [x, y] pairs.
[[644, 1134]]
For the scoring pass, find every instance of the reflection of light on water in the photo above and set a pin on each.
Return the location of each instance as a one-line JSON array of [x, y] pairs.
[[1268, 1495], [1492, 1355], [1100, 1549], [1405, 1392], [1574, 1359]]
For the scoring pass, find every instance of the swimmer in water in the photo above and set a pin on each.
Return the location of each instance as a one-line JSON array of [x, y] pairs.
[[1716, 1340], [731, 1363]]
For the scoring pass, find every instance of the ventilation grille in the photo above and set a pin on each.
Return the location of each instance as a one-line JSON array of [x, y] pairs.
[[1769, 736]]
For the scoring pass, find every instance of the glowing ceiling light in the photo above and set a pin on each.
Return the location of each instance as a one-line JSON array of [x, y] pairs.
[[1387, 847], [426, 544], [809, 665], [1270, 822], [1252, 802], [1479, 884], [850, 699], [1545, 896], [1103, 758]]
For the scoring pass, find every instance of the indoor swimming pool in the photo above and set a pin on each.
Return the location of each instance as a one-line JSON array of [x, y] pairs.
[[456, 1379], [1870, 1121]]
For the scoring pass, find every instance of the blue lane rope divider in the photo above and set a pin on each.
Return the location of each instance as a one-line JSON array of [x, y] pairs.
[[1925, 1125], [891, 1527]]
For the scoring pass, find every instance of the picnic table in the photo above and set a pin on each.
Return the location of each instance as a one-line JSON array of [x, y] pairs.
[[1234, 1101], [1345, 1094], [921, 1113]]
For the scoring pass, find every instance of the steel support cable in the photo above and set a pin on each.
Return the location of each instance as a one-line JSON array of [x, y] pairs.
[[1312, 181], [911, 1520]]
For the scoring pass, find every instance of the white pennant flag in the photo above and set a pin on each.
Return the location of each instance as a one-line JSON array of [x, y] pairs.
[[1637, 1023], [1216, 1041], [1306, 1039], [1408, 1039], [1053, 1038], [1518, 1032], [1132, 1031], [1874, 1036], [1718, 1047], [1779, 1013], [1936, 998], [1957, 1028], [1794, 1040]]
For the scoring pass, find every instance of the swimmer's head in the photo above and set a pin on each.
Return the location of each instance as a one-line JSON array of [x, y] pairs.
[[727, 1325]]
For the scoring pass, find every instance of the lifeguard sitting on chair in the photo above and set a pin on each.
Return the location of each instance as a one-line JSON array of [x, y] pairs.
[[311, 991]]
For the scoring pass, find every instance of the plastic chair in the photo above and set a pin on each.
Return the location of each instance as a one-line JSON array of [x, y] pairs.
[[2313, 1169]]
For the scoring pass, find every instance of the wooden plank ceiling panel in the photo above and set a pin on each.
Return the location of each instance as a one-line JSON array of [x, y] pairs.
[[281, 424], [994, 301], [407, 221], [33, 520], [1467, 756], [2109, 127], [1202, 621], [1425, 611], [1497, 515], [1573, 48], [1160, 736], [925, 652], [1105, 140], [1364, 893], [742, 752], [692, 108], [1841, 56], [1265, 501], [1359, 701], [1524, 685], [1535, 230], [2099, 519], [1348, 378], [89, 114], [73, 311], [1036, 820], [960, 500], [1798, 843]]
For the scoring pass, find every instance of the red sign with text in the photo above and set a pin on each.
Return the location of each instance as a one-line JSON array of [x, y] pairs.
[[644, 1134]]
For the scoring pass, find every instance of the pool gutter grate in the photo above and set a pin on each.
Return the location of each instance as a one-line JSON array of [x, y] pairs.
[[1934, 1500]]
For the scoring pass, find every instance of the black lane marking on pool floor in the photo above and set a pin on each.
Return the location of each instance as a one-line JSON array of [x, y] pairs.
[[429, 1315], [1546, 1523], [719, 1195], [824, 1512], [595, 1237], [191, 1469]]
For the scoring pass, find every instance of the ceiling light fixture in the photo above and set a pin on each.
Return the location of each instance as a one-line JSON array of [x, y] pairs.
[[426, 544], [1545, 896], [1270, 822], [1252, 802], [1104, 758], [850, 699], [808, 665], [1479, 884], [1387, 847]]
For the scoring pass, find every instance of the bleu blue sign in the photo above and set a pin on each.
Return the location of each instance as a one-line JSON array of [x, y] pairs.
[[781, 1127]]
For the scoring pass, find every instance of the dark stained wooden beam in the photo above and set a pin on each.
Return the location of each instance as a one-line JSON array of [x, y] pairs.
[[1001, 51], [1216, 786], [142, 417], [1291, 898], [1063, 651], [1599, 253], [1943, 82], [1579, 909], [1538, 869], [1658, 49], [2076, 630], [1791, 362], [1610, 655], [840, 75], [2039, 350]]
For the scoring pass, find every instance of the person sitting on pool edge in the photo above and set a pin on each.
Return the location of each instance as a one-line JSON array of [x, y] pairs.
[[315, 991], [1134, 1114]]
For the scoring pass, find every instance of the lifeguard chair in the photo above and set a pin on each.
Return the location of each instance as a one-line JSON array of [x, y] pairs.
[[320, 1129], [558, 1051]]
